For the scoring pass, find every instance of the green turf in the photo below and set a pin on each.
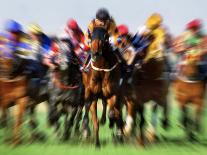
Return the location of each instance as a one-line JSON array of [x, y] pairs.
[[173, 143]]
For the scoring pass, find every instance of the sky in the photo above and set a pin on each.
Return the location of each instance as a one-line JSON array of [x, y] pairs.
[[51, 15]]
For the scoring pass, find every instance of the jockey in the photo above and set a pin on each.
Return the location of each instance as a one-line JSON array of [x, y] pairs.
[[123, 40], [193, 40], [102, 19], [157, 34], [76, 36], [151, 37], [40, 46], [16, 47], [61, 43], [191, 37], [40, 42], [193, 34]]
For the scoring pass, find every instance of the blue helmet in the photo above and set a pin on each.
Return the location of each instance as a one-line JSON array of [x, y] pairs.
[[13, 26]]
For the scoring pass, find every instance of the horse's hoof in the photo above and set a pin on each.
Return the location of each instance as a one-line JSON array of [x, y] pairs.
[[120, 139], [3, 124], [103, 121], [39, 136], [98, 145], [165, 124], [141, 142], [111, 124], [151, 136], [192, 138], [77, 132], [127, 131], [17, 141], [65, 137], [86, 133], [185, 122], [117, 138]]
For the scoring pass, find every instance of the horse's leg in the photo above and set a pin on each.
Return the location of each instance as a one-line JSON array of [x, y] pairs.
[[198, 114], [141, 125], [80, 111], [69, 124], [152, 131], [165, 120], [130, 117], [65, 135], [86, 129], [33, 124], [21, 104], [187, 123], [95, 121], [103, 116], [115, 115], [3, 121], [111, 114], [78, 120], [53, 113]]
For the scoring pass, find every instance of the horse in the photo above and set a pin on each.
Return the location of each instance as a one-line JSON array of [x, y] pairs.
[[189, 88], [66, 90], [37, 90], [102, 81], [12, 92], [145, 84]]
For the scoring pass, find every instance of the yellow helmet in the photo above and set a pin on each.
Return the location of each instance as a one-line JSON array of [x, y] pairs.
[[35, 28], [154, 20]]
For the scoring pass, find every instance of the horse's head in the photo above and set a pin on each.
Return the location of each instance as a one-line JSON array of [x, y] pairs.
[[99, 41]]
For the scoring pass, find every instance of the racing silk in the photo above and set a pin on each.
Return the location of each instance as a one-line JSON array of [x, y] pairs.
[[156, 47], [45, 42], [12, 48], [109, 25], [192, 40], [40, 48], [58, 46], [140, 42], [77, 39]]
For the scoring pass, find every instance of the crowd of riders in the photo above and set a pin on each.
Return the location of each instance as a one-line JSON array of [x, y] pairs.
[[33, 50]]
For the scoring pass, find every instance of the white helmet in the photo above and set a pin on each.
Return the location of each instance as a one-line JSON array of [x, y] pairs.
[[62, 35], [143, 30]]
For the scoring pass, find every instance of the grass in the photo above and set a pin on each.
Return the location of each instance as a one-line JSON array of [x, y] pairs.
[[172, 141]]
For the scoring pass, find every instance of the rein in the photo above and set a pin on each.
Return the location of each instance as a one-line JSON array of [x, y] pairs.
[[60, 85]]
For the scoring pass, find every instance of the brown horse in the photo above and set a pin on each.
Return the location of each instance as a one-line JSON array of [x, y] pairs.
[[12, 92], [102, 81], [146, 84], [190, 88]]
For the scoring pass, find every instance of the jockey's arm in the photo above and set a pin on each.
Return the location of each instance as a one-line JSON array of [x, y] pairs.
[[87, 40], [113, 32], [47, 60]]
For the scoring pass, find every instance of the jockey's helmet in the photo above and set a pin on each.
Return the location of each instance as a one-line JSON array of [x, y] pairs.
[[154, 21]]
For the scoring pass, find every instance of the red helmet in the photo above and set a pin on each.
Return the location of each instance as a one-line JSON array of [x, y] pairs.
[[55, 47], [123, 29], [72, 24], [196, 23]]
